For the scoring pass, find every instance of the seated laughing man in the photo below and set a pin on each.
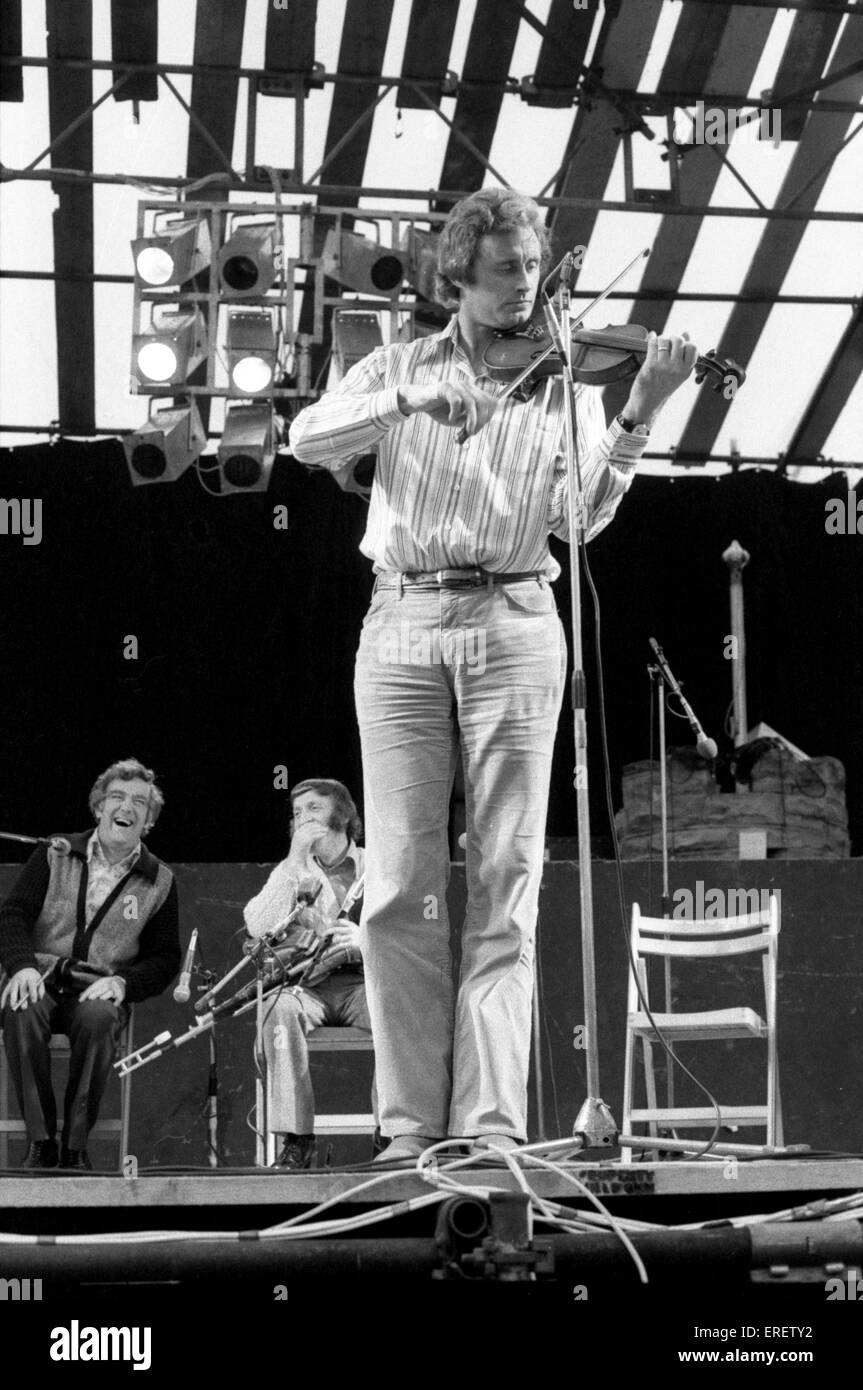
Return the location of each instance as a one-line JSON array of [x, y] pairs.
[[90, 927]]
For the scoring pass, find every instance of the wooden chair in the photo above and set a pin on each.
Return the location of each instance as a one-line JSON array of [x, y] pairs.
[[60, 1047], [673, 939], [334, 1040]]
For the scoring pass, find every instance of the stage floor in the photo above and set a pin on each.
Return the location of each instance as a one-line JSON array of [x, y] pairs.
[[779, 1182]]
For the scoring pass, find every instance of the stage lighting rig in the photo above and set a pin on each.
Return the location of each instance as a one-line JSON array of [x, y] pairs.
[[356, 332], [164, 447], [247, 263], [169, 350], [251, 349], [420, 251], [248, 448], [363, 265], [173, 255]]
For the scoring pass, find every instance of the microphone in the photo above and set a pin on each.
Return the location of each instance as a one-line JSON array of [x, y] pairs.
[[566, 279], [308, 890], [182, 993], [565, 266], [705, 747], [553, 327]]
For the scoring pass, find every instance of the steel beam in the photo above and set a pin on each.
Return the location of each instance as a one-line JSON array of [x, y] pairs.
[[644, 295], [308, 190], [807, 5], [653, 103]]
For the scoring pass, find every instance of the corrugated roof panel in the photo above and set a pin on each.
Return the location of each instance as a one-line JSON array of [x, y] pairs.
[[134, 39], [488, 59], [781, 239], [427, 47], [809, 46], [218, 40], [621, 53], [70, 92], [11, 79], [290, 36]]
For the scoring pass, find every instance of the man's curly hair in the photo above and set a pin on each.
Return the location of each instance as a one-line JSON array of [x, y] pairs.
[[489, 210]]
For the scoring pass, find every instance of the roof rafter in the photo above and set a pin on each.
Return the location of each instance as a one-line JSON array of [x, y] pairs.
[[779, 242]]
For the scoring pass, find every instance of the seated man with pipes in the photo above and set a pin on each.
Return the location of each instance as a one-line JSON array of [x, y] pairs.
[[89, 928], [324, 862]]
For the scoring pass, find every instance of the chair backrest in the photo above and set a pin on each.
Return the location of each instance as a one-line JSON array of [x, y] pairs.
[[698, 938]]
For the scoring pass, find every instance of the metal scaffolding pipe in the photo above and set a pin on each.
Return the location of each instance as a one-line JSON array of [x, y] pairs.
[[728, 1251]]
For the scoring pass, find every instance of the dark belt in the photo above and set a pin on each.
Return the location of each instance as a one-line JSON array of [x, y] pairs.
[[451, 579]]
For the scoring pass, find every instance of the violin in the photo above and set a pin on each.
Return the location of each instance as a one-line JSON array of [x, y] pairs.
[[599, 356]]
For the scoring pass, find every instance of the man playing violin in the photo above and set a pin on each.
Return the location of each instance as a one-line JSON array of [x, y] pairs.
[[325, 826], [468, 485]]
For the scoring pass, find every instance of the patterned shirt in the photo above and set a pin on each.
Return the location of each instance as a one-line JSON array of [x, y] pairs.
[[490, 502], [102, 877]]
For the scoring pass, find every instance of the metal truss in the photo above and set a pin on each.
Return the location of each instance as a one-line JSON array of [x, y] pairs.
[[294, 182]]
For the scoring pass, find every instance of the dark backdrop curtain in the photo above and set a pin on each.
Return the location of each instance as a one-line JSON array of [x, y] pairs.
[[246, 637]]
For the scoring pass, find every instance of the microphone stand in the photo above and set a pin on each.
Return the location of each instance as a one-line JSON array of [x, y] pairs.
[[594, 1125], [214, 1157], [655, 674]]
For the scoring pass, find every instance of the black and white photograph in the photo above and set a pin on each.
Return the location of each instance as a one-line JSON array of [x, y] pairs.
[[431, 710]]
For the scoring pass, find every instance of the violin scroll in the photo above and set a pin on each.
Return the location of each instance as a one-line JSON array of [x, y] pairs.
[[730, 376]]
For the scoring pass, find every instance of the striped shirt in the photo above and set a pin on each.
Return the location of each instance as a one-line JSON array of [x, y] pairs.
[[490, 502]]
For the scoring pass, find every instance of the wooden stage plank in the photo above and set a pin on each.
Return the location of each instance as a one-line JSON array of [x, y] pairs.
[[774, 1178]]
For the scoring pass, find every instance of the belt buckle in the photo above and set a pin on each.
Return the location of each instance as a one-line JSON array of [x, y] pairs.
[[473, 576]]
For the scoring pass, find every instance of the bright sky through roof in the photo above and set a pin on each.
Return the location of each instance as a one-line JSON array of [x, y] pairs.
[[406, 151]]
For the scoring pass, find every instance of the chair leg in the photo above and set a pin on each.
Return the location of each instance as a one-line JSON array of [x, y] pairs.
[[776, 1103], [649, 1080], [625, 1121]]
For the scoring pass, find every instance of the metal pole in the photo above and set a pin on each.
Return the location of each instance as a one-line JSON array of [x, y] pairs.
[[736, 558]]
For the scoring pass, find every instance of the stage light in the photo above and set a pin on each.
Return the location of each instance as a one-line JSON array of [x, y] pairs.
[[251, 349], [362, 265], [248, 448], [355, 333], [420, 249], [164, 447], [173, 255], [247, 261], [170, 350]]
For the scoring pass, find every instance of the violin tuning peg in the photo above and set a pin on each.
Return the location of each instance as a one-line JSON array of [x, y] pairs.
[[738, 371]]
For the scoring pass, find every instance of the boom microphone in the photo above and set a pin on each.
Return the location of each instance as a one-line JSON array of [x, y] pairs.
[[705, 747]]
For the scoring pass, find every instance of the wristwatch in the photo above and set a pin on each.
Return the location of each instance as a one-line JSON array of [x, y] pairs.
[[631, 427]]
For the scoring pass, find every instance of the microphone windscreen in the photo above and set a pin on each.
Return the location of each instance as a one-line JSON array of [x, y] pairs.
[[706, 748]]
